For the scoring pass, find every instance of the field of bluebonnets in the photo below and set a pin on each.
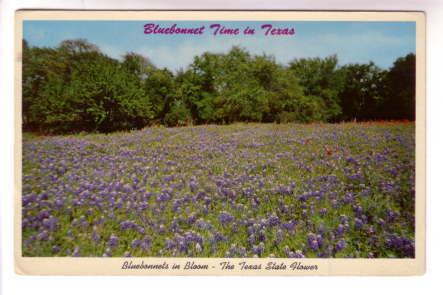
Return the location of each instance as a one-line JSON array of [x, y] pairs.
[[244, 190]]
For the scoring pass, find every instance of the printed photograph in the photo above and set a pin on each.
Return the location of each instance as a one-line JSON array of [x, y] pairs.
[[218, 139]]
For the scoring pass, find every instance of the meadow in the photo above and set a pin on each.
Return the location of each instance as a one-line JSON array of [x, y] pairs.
[[241, 190]]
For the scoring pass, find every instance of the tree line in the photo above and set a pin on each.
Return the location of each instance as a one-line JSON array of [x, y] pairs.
[[75, 87]]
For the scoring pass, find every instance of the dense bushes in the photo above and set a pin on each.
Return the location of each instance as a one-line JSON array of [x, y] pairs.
[[75, 87]]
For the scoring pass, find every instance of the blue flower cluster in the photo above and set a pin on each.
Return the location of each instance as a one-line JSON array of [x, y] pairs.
[[245, 190]]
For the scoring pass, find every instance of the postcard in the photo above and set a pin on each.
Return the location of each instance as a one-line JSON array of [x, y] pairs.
[[220, 143]]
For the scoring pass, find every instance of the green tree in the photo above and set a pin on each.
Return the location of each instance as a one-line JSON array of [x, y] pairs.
[[322, 82], [178, 115], [363, 91], [239, 95], [399, 100], [160, 86], [137, 65], [77, 88]]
